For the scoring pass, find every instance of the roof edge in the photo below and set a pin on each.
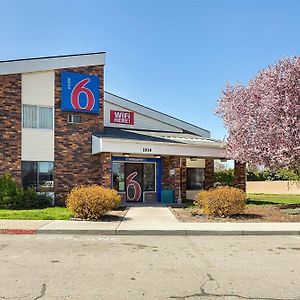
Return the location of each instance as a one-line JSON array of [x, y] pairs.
[[176, 121], [36, 64]]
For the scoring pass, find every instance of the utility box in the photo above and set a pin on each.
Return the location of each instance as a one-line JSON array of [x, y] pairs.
[[167, 196]]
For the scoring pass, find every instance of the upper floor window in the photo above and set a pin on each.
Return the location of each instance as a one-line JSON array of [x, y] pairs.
[[74, 119], [37, 117]]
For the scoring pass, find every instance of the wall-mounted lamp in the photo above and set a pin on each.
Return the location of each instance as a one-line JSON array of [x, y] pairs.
[[193, 158], [126, 154], [157, 156]]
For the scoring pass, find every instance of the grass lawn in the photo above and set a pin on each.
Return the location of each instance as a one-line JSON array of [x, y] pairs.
[[50, 213], [261, 199]]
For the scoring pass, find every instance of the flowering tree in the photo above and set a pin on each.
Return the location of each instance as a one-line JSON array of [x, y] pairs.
[[263, 118]]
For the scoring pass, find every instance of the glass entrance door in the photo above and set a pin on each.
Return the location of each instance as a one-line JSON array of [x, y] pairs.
[[134, 182], [137, 179]]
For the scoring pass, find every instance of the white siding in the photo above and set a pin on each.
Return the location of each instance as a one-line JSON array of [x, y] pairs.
[[38, 89], [37, 144], [140, 121]]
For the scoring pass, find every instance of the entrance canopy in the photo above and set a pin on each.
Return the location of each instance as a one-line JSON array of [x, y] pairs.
[[115, 140]]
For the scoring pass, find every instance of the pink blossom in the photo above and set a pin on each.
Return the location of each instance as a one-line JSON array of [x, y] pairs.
[[263, 118]]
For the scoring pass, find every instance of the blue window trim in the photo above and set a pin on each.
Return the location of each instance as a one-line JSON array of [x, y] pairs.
[[141, 159]]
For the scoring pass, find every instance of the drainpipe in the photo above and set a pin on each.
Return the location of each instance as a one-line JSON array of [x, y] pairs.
[[179, 200]]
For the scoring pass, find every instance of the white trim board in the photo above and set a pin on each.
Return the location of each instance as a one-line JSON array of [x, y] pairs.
[[100, 145], [154, 114], [51, 63]]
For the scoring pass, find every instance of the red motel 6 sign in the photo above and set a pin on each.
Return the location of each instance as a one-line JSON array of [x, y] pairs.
[[80, 92]]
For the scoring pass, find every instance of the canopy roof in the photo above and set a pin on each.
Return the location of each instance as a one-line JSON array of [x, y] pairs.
[[129, 141]]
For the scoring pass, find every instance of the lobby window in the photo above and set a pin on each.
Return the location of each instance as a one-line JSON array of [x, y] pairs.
[[37, 117], [118, 176], [38, 175], [149, 177], [195, 178]]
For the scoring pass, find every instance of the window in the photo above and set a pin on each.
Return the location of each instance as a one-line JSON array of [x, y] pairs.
[[195, 178], [118, 176], [29, 116], [74, 119], [37, 175], [37, 117], [149, 177], [45, 117]]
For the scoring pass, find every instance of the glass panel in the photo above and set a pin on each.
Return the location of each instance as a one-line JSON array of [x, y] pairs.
[[46, 117], [45, 177], [118, 176], [29, 174], [149, 177], [29, 116], [195, 178]]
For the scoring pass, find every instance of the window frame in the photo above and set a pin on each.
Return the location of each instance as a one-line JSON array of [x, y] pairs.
[[72, 119], [37, 174], [188, 185], [38, 116]]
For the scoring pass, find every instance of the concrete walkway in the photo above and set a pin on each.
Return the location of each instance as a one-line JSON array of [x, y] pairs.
[[146, 221]]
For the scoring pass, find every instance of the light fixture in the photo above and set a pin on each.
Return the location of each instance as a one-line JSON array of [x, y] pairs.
[[126, 154], [193, 158], [223, 160], [157, 156]]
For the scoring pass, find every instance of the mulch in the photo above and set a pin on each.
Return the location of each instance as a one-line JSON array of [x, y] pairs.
[[252, 214], [115, 215]]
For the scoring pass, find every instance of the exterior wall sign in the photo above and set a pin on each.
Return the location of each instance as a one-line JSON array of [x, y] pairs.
[[121, 117], [80, 92]]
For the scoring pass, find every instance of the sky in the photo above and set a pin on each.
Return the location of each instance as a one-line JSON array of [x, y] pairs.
[[173, 56]]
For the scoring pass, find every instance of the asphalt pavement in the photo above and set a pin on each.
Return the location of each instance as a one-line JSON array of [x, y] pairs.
[[149, 267]]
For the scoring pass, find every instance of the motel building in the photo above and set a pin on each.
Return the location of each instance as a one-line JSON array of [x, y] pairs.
[[59, 129]]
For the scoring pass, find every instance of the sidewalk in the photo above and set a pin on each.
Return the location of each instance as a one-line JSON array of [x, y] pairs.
[[146, 221]]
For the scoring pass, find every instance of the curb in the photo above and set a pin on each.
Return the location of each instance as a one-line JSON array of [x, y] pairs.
[[180, 232]]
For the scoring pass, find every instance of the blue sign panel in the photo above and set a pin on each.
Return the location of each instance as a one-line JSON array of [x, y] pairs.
[[80, 92]]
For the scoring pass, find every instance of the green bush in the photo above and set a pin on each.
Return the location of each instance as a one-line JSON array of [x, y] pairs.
[[224, 177], [12, 196], [281, 174]]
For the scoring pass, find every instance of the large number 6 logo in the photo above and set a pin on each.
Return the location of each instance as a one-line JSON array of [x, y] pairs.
[[135, 185], [77, 90]]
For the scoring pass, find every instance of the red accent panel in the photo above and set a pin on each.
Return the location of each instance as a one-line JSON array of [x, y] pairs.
[[17, 231], [121, 117]]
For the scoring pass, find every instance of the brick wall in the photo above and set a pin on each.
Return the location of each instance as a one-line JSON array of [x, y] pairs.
[[105, 169], [209, 174], [179, 178], [74, 163], [239, 175], [10, 125]]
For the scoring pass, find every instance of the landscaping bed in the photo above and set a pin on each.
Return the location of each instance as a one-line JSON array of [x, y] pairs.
[[114, 215], [260, 208]]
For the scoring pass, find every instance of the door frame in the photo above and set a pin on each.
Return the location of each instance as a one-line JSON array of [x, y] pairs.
[[158, 170]]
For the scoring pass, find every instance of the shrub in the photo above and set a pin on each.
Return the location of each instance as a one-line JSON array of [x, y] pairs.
[[12, 196], [224, 177], [10, 192], [91, 202], [31, 199], [222, 201]]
